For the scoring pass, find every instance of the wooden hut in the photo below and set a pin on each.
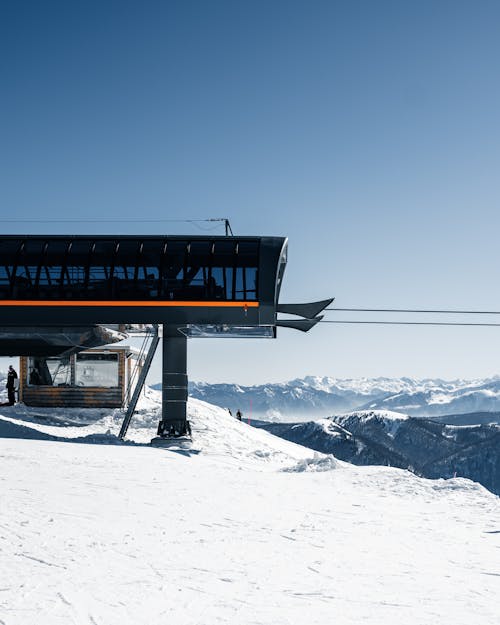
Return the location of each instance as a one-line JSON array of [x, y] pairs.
[[94, 378]]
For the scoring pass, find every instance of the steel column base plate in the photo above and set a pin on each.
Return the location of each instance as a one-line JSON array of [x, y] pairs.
[[179, 442]]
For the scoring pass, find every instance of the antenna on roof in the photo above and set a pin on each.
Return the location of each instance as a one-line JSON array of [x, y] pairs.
[[227, 225]]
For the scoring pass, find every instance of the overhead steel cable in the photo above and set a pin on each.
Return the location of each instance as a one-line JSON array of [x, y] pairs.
[[417, 310], [411, 323], [120, 220]]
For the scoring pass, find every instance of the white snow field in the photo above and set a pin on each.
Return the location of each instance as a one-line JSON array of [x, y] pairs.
[[251, 530]]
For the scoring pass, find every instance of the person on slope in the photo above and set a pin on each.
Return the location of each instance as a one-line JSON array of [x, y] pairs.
[[239, 415], [11, 385]]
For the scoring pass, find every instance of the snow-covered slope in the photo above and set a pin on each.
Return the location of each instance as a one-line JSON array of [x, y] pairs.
[[320, 396], [431, 449], [252, 529]]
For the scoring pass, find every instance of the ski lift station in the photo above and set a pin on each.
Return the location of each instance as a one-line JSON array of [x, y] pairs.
[[62, 295]]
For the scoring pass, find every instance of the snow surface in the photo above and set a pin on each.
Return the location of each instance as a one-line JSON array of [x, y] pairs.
[[250, 530]]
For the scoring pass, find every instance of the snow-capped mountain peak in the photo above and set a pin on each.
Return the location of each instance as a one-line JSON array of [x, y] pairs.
[[315, 396]]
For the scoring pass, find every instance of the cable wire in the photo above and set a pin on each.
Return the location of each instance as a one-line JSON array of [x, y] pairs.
[[412, 323], [417, 310], [103, 221]]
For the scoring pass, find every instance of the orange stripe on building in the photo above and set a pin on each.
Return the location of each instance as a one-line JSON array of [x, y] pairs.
[[135, 303]]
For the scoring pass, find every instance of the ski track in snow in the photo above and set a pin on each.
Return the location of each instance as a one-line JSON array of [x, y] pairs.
[[251, 530]]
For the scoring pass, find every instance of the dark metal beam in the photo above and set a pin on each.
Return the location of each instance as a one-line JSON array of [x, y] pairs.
[[308, 310], [304, 325]]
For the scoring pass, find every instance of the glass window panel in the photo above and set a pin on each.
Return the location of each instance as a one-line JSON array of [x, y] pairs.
[[196, 276], [173, 270], [26, 274], [96, 370], [99, 269], [217, 285], [27, 262], [175, 258], [50, 277], [4, 281], [39, 374], [8, 251], [224, 259], [125, 269], [31, 365], [107, 268], [149, 267], [251, 283], [195, 279], [246, 272], [239, 286], [228, 280], [60, 371], [76, 274]]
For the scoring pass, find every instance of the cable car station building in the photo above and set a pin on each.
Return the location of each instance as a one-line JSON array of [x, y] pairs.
[[62, 294]]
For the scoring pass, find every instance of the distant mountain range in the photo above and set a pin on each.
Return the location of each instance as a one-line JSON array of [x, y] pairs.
[[312, 397], [424, 446]]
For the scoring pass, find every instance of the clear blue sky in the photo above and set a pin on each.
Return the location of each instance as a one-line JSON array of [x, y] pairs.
[[367, 132]]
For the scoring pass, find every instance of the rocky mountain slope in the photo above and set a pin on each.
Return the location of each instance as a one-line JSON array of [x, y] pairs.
[[426, 447]]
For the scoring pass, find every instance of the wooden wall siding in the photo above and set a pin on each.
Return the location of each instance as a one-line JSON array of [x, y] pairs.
[[73, 396]]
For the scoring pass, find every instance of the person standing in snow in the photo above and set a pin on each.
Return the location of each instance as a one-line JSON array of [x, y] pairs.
[[11, 385], [239, 415]]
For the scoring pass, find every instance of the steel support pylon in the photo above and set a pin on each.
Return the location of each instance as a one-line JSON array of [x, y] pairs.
[[174, 423]]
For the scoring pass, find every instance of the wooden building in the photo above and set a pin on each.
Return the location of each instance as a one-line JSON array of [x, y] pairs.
[[95, 378]]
